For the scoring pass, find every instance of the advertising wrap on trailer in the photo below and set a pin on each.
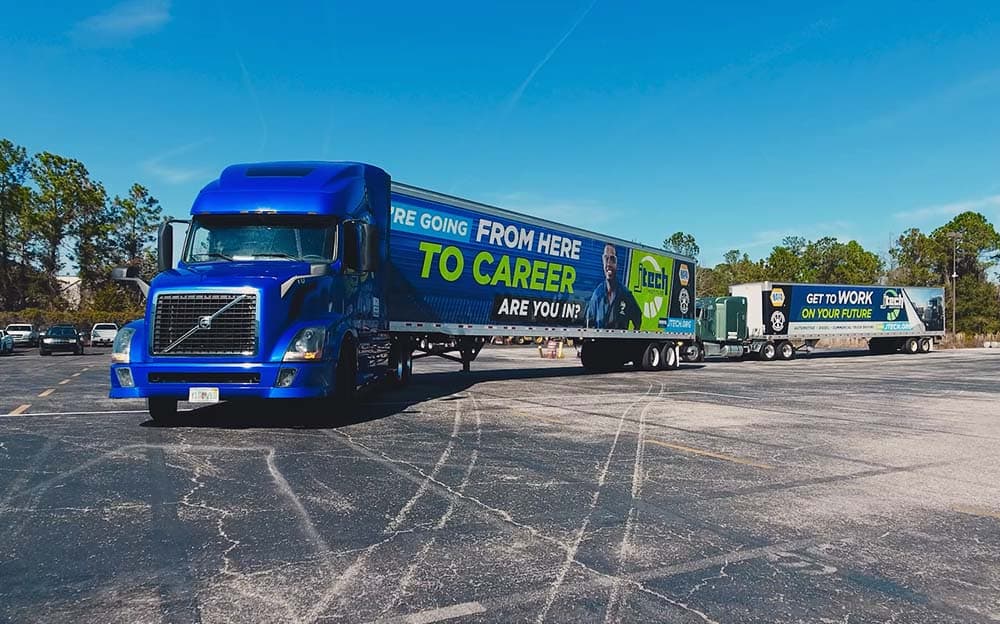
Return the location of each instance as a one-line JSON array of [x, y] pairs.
[[776, 320], [464, 269], [310, 280]]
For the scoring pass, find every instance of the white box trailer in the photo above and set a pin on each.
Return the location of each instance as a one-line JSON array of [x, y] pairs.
[[776, 319]]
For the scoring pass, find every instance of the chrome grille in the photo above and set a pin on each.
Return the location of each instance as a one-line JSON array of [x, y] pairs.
[[231, 332]]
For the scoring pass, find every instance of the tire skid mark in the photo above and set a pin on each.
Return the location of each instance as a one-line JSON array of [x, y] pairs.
[[614, 601], [582, 530], [18, 524], [392, 529], [410, 574], [505, 518]]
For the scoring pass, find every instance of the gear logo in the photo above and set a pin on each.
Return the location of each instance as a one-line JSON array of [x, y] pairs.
[[777, 297], [684, 299], [778, 321]]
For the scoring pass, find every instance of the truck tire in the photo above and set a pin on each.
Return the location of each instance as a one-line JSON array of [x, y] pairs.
[[925, 345], [768, 352], [670, 357], [589, 355], [652, 359], [162, 410], [912, 345], [786, 351], [400, 363], [346, 390], [693, 353]]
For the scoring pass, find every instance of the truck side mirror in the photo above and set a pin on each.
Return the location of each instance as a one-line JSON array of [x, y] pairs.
[[360, 246], [165, 247], [124, 273]]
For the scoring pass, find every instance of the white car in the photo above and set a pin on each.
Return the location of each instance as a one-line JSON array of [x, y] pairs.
[[103, 334], [24, 334]]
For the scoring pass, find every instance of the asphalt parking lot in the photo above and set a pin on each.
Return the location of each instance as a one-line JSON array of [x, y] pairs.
[[842, 487]]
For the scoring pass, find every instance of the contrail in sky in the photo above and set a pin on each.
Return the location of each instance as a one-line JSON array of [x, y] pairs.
[[516, 96]]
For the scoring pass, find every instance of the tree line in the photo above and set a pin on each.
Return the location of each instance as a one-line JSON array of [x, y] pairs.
[[967, 246], [54, 218]]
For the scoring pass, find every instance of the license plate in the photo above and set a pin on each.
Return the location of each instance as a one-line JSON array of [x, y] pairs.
[[203, 395]]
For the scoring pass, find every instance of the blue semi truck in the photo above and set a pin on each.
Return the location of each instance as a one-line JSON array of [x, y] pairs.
[[312, 280]]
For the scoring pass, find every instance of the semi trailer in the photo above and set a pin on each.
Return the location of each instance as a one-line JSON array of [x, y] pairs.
[[312, 280], [777, 320]]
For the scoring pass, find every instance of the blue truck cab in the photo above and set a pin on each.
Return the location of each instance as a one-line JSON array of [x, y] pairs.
[[278, 292]]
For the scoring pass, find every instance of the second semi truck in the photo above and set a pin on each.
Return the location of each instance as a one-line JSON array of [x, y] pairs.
[[776, 320]]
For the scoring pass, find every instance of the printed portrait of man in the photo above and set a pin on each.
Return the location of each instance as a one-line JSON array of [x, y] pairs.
[[612, 306]]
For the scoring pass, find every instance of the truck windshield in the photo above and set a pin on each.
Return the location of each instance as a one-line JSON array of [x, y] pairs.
[[225, 238]]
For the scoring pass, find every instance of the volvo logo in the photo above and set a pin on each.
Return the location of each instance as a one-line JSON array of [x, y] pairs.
[[204, 322]]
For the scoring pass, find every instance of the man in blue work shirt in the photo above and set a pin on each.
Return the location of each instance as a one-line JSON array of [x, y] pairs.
[[612, 306]]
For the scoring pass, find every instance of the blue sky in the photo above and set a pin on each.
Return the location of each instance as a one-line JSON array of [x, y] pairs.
[[738, 124]]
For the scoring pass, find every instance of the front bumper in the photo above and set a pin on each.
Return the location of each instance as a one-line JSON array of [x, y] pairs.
[[71, 347], [174, 380]]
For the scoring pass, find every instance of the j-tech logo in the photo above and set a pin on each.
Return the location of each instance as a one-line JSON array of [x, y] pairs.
[[653, 281], [892, 301], [683, 275], [777, 297]]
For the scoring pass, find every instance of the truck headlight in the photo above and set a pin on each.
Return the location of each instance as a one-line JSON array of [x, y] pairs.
[[307, 345], [123, 345]]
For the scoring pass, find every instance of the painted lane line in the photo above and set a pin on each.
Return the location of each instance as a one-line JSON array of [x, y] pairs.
[[695, 451], [136, 411], [437, 615], [47, 392], [20, 409], [982, 512], [65, 381]]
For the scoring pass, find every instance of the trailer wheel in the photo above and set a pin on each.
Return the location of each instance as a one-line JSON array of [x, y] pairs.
[[768, 352], [925, 345], [669, 357], [590, 356], [651, 358], [162, 410], [786, 351], [911, 345]]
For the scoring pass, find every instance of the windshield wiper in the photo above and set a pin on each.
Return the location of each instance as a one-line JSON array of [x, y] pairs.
[[275, 254], [214, 255]]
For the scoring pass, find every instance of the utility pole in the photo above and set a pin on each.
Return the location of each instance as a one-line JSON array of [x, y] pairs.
[[955, 238]]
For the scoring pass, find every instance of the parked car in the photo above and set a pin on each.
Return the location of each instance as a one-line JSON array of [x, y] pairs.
[[103, 334], [61, 338], [24, 334], [6, 342]]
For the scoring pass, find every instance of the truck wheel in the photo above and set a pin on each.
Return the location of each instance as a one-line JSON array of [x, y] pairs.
[[911, 345], [162, 410], [925, 345], [768, 352], [589, 355], [669, 357], [651, 358], [693, 353], [786, 351], [400, 363], [347, 376]]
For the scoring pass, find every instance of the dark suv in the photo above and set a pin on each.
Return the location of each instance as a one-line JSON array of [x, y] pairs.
[[61, 338]]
